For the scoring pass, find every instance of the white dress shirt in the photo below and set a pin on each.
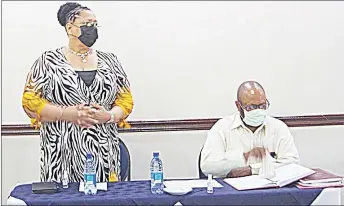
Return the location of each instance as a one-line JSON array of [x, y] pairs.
[[229, 138]]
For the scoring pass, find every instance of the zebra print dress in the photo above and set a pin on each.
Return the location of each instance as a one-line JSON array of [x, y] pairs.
[[63, 144]]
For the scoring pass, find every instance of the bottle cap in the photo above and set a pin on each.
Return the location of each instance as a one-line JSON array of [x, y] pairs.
[[155, 154], [89, 156], [210, 176]]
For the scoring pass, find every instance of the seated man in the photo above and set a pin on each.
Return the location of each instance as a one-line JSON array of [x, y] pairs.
[[236, 144]]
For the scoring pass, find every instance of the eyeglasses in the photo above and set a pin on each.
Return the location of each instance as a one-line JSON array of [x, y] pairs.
[[88, 24], [251, 107]]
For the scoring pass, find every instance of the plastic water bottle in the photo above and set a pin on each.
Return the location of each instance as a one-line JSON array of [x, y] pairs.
[[65, 179], [210, 188], [157, 177], [90, 187]]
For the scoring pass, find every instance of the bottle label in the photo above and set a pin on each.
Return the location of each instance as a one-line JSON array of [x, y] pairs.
[[157, 177], [64, 183], [91, 178]]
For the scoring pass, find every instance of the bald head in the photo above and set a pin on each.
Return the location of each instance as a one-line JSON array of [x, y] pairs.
[[251, 92]]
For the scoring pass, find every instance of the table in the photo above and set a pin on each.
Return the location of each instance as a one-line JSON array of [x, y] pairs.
[[138, 193]]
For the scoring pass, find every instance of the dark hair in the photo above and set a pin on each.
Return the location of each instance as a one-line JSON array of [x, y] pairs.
[[68, 11]]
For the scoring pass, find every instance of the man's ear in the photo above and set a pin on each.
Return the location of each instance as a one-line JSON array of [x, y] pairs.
[[237, 103]]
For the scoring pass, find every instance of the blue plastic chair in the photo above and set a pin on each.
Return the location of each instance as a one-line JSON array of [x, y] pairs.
[[124, 161]]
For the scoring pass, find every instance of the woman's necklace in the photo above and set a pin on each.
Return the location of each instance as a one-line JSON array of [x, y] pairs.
[[83, 56]]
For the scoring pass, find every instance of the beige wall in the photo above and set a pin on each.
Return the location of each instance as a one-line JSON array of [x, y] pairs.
[[186, 59], [318, 147]]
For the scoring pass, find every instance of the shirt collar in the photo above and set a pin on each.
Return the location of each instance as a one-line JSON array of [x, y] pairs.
[[237, 121]]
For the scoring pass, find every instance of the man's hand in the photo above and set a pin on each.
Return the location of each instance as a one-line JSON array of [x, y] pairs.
[[240, 172], [258, 152]]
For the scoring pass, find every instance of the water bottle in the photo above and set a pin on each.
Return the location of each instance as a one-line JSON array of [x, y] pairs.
[[90, 187], [65, 179], [157, 177], [210, 188]]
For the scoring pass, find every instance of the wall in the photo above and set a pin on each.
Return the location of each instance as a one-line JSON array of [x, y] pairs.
[[185, 60], [182, 57], [318, 147]]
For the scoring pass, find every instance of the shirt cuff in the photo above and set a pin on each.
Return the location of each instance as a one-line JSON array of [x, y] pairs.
[[255, 168]]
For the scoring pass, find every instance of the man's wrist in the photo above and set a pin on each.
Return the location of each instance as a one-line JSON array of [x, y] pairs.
[[240, 172]]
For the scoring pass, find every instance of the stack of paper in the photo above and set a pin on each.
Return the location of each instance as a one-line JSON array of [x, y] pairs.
[[320, 179]]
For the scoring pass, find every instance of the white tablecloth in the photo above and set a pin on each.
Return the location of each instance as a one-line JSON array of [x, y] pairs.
[[329, 196]]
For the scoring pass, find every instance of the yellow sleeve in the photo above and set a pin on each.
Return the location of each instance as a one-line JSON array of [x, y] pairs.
[[125, 101], [32, 100], [33, 104]]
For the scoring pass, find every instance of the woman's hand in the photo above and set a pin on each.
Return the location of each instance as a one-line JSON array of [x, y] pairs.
[[100, 114], [80, 115]]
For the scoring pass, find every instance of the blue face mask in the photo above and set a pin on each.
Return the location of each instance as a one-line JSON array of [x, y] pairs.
[[255, 117]]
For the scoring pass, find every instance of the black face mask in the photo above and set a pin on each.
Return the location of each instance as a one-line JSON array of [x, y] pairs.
[[89, 35]]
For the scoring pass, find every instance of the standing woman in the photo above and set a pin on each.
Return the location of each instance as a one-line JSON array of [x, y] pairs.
[[77, 96]]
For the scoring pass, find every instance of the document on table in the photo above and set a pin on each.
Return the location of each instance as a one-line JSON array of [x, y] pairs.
[[250, 182], [191, 183], [100, 186], [284, 176]]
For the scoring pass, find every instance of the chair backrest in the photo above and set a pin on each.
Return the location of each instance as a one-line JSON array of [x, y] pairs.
[[200, 173], [124, 161]]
